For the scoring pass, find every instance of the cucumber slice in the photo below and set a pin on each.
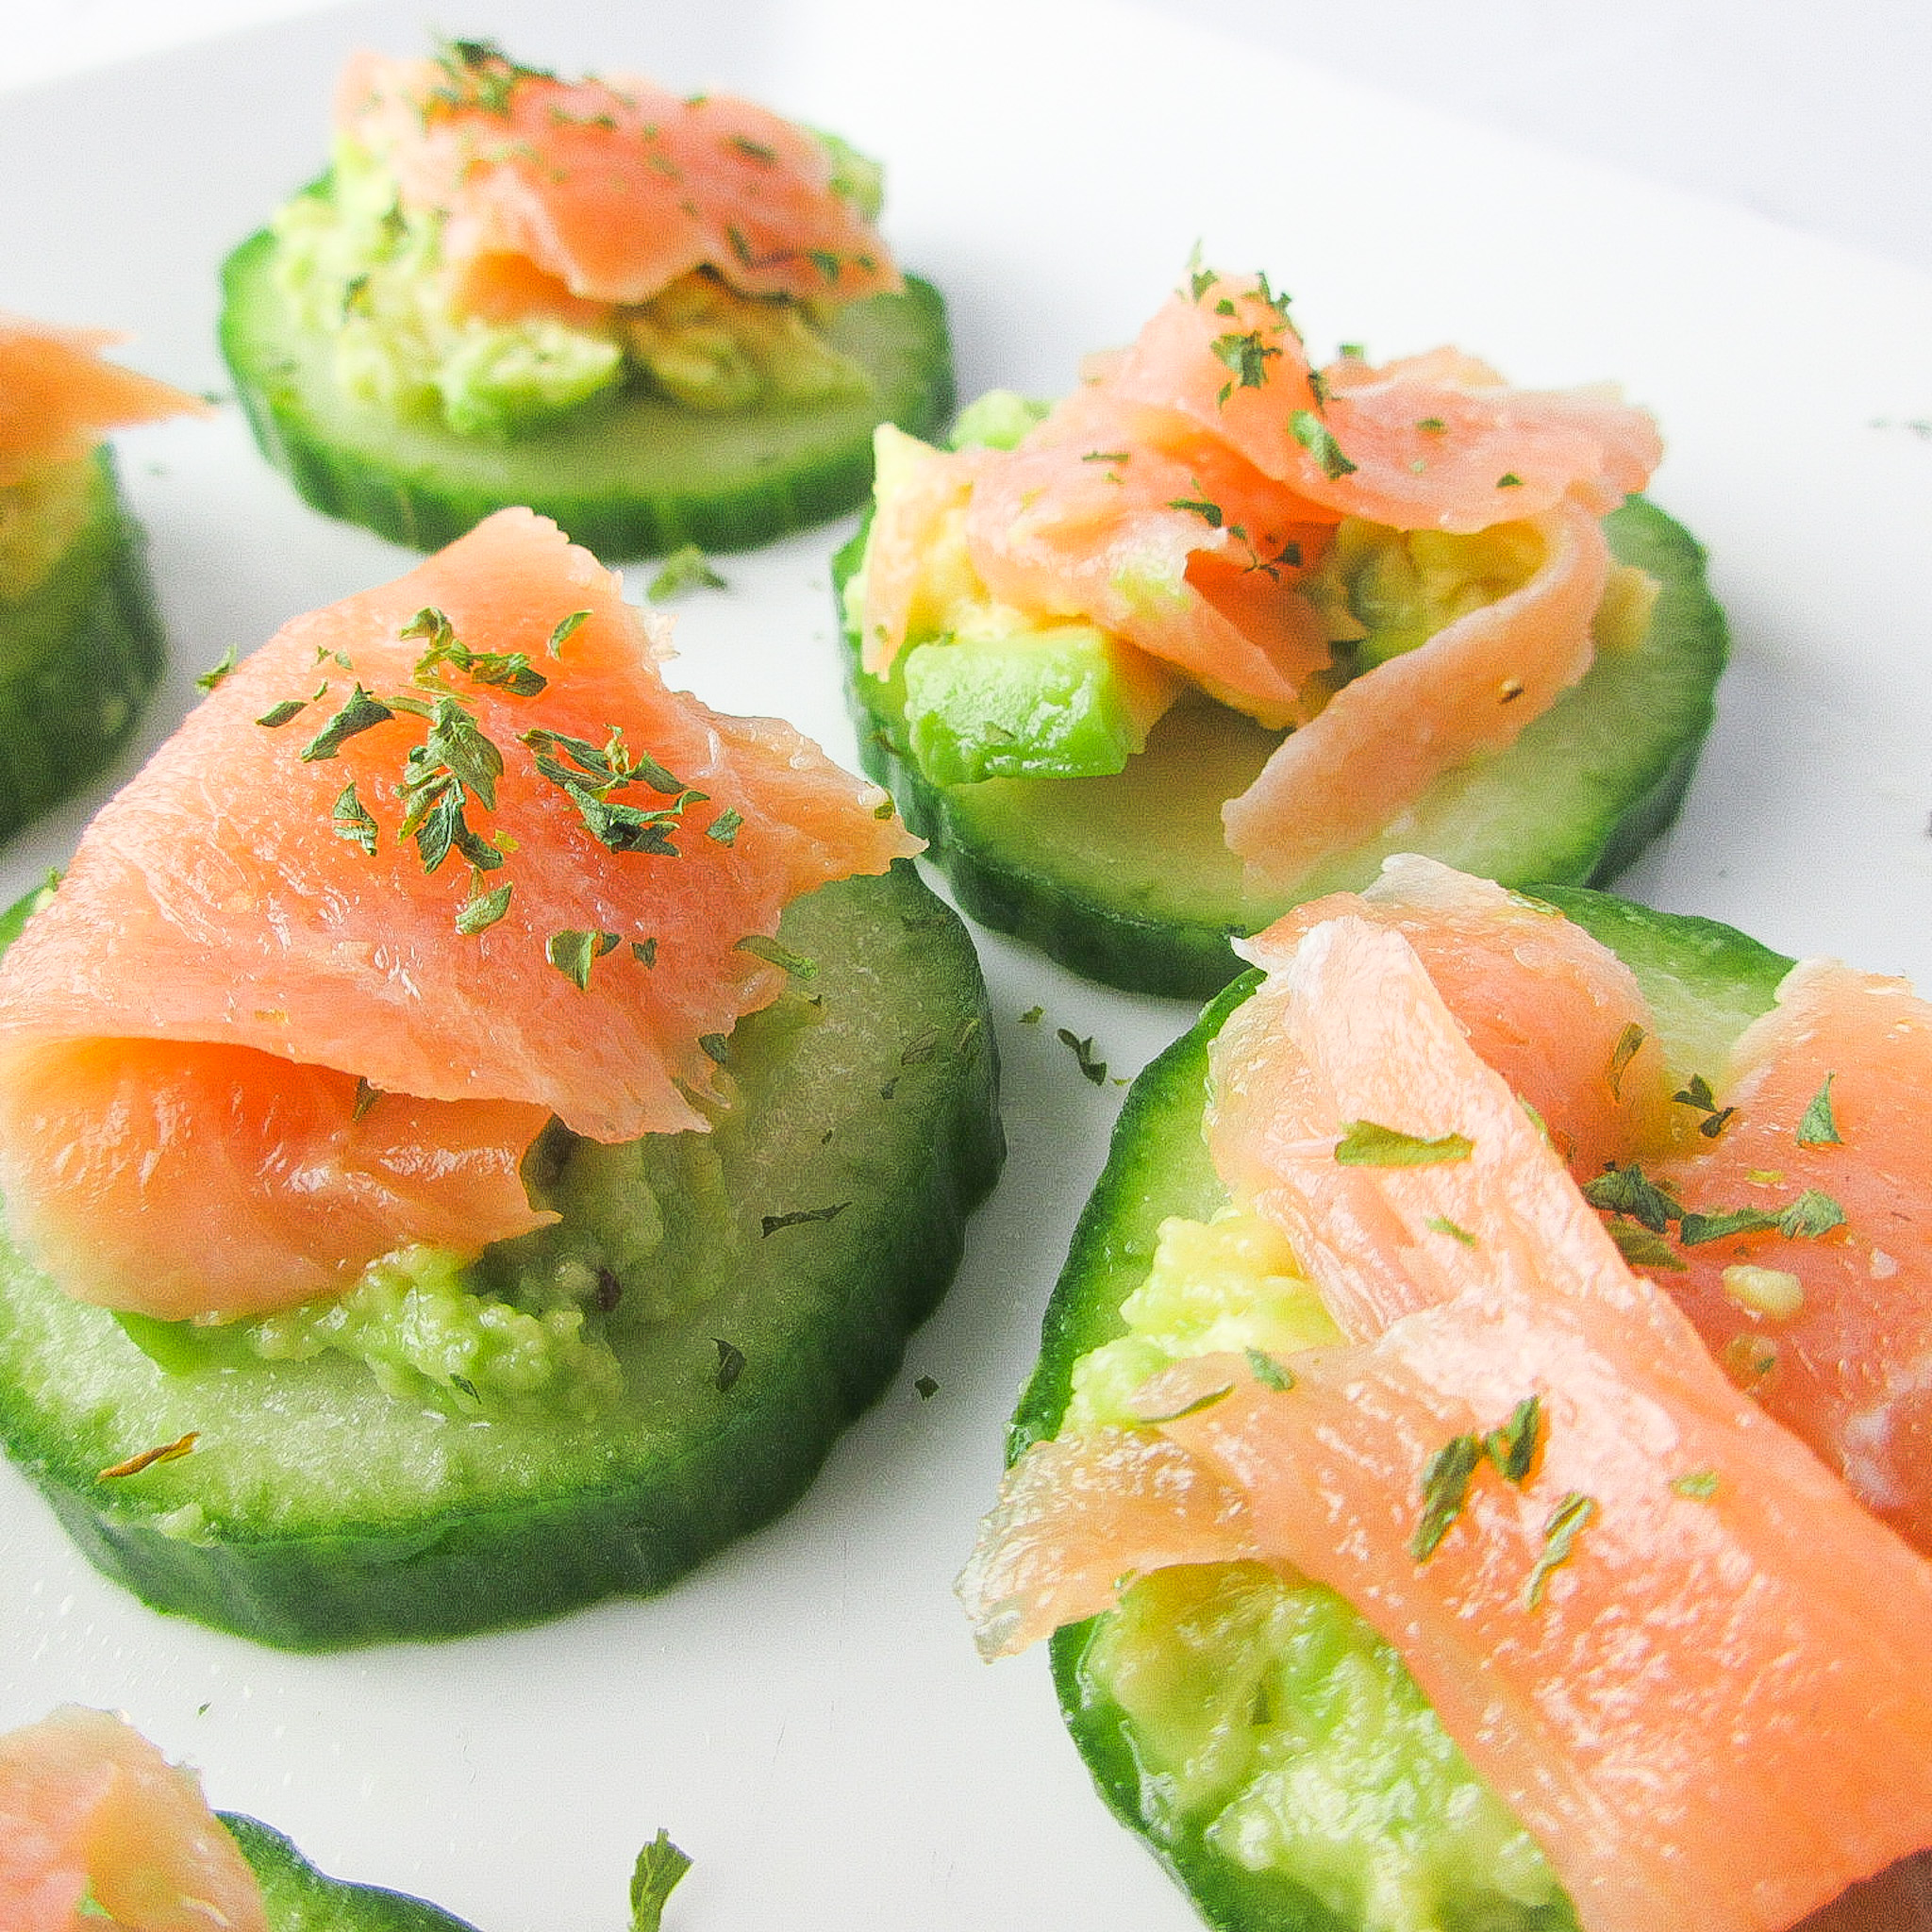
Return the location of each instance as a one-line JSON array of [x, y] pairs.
[[301, 1899], [315, 1511], [1706, 982], [628, 476], [1126, 878], [79, 657]]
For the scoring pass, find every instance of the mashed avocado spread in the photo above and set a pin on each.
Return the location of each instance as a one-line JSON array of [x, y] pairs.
[[356, 268], [1269, 1722], [646, 1231]]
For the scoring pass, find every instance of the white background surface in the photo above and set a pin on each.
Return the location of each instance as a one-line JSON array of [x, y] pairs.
[[805, 1715]]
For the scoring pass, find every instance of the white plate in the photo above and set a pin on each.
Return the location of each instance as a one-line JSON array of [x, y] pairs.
[[805, 1714]]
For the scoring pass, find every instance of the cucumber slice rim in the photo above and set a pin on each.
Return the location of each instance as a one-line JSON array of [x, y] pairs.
[[1705, 981], [1126, 879], [317, 1546], [625, 476]]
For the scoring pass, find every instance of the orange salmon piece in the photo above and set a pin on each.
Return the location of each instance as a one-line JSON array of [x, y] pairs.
[[1437, 441], [614, 188], [1125, 514], [1840, 1349], [58, 395], [1552, 1009], [1475, 686], [95, 1819], [218, 903]]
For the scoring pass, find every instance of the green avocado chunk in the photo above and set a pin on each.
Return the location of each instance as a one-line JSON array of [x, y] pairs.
[[1035, 701], [1271, 1749]]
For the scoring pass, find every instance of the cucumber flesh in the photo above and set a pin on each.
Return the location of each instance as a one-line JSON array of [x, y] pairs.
[[1128, 879], [298, 1898], [1705, 982], [625, 475], [315, 1511], [80, 655]]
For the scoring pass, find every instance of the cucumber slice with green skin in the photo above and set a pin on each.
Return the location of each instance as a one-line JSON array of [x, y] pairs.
[[1127, 881], [630, 475], [298, 1898], [81, 656], [1705, 982], [315, 1512]]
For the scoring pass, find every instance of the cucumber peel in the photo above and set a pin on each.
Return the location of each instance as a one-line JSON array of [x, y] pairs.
[[1705, 982], [1128, 879], [80, 655], [298, 1898], [315, 1512], [625, 475]]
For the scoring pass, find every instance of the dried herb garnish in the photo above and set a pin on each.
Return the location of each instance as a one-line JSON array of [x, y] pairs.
[[724, 830], [659, 1865], [1512, 1448], [1630, 1190], [730, 1363], [1626, 1050], [1083, 1053], [481, 909], [1192, 1407], [167, 1452], [1319, 441], [1368, 1143], [927, 1387], [686, 569], [574, 953], [799, 1217], [1699, 1484], [1819, 1127], [1441, 1224], [1568, 1521], [362, 713], [1267, 1371], [1696, 1093], [277, 715], [567, 628], [215, 673], [349, 819], [1445, 1488], [1247, 356]]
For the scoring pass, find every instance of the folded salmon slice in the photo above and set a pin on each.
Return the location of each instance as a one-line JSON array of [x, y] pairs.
[[1475, 686], [94, 1821], [1838, 1343], [224, 905], [1550, 1010], [614, 188], [1645, 1641], [58, 394]]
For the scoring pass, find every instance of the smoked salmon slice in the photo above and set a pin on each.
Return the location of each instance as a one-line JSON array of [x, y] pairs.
[[612, 189], [58, 393], [1830, 1327], [1644, 1629], [1830, 1330], [1183, 497], [345, 1030], [94, 1821]]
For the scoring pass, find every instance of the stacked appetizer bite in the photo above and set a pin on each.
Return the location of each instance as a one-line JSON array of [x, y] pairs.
[[1478, 1469], [97, 1826], [80, 639], [661, 321], [475, 1124], [1218, 631]]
